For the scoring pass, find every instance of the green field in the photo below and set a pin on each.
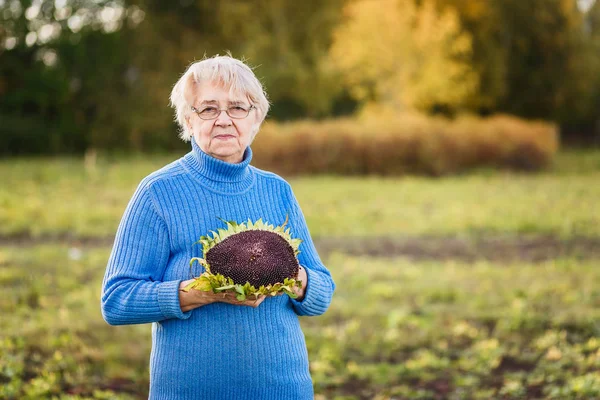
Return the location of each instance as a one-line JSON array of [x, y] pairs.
[[60, 197], [400, 326], [395, 328]]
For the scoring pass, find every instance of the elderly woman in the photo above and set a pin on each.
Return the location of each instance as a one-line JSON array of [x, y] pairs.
[[205, 345]]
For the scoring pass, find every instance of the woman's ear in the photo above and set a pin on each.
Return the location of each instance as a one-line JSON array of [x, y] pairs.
[[188, 127]]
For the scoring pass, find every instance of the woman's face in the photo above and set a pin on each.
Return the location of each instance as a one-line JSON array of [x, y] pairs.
[[224, 137]]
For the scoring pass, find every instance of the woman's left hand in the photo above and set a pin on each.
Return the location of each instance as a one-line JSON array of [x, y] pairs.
[[302, 277]]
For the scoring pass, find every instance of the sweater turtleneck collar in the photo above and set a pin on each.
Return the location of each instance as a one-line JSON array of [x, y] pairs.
[[219, 175]]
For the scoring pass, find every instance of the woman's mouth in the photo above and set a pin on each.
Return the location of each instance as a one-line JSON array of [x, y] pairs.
[[224, 137]]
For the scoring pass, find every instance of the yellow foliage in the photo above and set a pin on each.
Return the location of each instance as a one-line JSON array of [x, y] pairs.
[[402, 55], [554, 354]]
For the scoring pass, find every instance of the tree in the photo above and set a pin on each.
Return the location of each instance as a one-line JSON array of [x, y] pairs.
[[403, 56], [63, 81], [481, 19], [289, 40], [534, 60]]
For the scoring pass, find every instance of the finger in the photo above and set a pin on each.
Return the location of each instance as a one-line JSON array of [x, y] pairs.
[[258, 301]]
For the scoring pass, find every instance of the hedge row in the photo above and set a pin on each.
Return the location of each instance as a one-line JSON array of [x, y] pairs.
[[407, 145]]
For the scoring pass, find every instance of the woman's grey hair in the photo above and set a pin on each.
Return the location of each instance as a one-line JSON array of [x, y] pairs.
[[224, 70]]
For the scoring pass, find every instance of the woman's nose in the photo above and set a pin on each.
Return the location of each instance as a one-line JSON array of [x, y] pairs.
[[223, 119]]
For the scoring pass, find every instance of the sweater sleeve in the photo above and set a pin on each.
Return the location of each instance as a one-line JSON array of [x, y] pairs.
[[132, 290], [320, 285]]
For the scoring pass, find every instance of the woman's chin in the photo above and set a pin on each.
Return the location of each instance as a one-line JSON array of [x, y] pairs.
[[227, 153]]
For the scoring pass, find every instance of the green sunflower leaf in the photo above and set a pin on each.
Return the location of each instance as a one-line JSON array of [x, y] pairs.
[[223, 288]]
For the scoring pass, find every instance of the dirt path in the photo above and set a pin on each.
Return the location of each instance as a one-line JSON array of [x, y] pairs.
[[492, 247]]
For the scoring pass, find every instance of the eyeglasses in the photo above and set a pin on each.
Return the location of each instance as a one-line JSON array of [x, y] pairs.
[[210, 112]]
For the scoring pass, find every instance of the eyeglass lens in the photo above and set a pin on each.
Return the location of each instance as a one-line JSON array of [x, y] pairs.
[[233, 112]]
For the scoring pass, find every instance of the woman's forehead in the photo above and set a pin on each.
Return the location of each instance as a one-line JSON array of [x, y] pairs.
[[214, 92]]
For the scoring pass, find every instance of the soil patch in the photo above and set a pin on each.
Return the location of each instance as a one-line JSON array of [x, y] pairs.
[[494, 248], [503, 248]]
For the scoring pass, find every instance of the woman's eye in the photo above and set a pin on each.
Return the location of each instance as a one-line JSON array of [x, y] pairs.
[[239, 108], [208, 110]]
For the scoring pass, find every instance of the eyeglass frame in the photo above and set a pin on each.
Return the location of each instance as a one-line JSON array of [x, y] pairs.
[[197, 112]]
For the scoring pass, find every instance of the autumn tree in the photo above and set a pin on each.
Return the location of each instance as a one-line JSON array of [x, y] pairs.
[[534, 60], [402, 56], [290, 41]]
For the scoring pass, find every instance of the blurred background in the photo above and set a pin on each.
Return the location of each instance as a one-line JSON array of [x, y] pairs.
[[446, 155]]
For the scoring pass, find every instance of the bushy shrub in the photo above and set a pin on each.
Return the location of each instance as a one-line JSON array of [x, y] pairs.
[[409, 144]]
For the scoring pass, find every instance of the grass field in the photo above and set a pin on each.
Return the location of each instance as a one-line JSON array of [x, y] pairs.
[[428, 323], [60, 197], [395, 328]]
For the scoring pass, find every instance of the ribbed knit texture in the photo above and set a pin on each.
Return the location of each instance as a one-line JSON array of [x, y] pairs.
[[218, 351]]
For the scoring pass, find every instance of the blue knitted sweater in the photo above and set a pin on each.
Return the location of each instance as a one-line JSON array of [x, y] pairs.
[[218, 351]]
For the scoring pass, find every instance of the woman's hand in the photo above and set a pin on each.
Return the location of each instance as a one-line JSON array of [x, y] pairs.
[[302, 277], [196, 298]]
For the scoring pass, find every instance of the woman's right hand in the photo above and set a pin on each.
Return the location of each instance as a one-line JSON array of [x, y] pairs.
[[196, 298]]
